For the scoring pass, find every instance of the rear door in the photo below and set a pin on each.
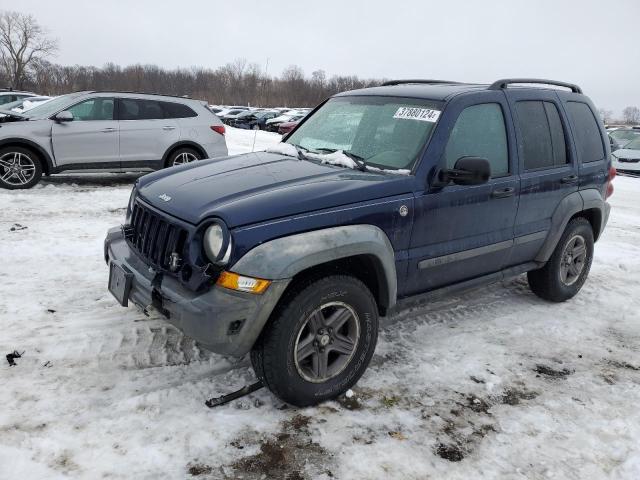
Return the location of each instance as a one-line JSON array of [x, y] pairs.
[[548, 167], [91, 139], [145, 133]]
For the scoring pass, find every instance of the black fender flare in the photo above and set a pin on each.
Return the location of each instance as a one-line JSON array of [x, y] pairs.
[[574, 203], [180, 144], [48, 166]]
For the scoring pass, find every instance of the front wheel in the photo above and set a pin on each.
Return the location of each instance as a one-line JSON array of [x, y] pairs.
[[19, 168], [319, 341], [566, 271]]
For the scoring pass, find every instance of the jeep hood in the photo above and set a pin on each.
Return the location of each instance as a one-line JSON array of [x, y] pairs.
[[257, 187]]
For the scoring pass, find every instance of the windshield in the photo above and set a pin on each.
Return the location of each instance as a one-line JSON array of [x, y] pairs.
[[634, 144], [387, 132], [623, 137], [54, 105]]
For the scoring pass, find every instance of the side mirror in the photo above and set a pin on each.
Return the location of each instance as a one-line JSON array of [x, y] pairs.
[[467, 171], [65, 116]]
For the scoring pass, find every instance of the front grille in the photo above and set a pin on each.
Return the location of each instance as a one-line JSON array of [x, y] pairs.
[[153, 237]]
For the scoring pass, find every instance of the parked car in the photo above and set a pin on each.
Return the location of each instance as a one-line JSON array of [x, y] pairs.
[[225, 114], [233, 114], [24, 104], [106, 131], [273, 124], [286, 127], [255, 120], [293, 254], [9, 96], [627, 159]]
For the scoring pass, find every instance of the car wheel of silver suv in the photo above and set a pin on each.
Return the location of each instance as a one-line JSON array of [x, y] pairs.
[[182, 156], [19, 168]]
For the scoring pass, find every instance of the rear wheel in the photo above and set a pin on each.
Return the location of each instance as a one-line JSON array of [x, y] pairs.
[[567, 269], [319, 341], [182, 156], [19, 168]]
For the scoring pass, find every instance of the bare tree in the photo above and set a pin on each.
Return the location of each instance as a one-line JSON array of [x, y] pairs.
[[23, 43], [631, 115], [605, 115]]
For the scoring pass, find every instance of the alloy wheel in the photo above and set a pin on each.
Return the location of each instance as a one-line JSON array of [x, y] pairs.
[[573, 259], [326, 342], [17, 168], [184, 157]]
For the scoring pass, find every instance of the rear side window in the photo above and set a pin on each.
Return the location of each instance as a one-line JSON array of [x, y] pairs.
[[132, 109], [177, 110], [542, 143], [480, 132], [586, 131]]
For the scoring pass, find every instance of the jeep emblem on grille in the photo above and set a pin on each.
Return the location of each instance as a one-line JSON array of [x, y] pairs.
[[164, 197]]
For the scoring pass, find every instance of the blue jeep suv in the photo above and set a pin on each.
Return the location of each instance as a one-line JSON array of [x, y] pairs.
[[381, 197]]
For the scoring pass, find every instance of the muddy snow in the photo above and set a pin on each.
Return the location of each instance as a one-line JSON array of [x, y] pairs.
[[492, 383]]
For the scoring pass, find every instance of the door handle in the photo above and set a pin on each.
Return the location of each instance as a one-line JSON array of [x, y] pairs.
[[168, 127], [503, 192], [569, 179], [109, 130]]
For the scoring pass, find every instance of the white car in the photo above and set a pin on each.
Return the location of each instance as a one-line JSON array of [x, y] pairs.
[[627, 159]]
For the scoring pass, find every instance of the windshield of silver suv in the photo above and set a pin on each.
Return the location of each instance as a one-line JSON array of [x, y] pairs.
[[52, 106], [385, 132]]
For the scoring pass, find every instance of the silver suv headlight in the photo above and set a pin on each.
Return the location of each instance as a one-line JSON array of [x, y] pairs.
[[217, 243]]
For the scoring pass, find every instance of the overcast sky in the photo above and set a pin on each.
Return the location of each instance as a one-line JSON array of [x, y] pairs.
[[590, 42]]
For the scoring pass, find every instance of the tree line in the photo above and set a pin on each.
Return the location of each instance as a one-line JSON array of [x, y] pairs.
[[237, 83]]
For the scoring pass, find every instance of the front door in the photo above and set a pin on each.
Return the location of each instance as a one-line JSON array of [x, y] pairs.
[[460, 231], [91, 139]]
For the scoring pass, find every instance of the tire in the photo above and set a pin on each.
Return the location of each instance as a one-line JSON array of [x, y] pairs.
[[557, 281], [280, 358], [182, 156], [20, 168]]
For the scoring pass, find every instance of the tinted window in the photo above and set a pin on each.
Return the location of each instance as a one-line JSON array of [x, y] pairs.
[[131, 109], [480, 132], [7, 99], [586, 131], [93, 109], [542, 142], [177, 110]]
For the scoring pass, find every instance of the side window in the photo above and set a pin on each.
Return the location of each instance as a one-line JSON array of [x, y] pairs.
[[177, 110], [7, 99], [542, 144], [93, 109], [132, 109], [586, 131], [480, 132]]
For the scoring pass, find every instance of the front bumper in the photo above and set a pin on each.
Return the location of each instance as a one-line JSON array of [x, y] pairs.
[[626, 165], [221, 320]]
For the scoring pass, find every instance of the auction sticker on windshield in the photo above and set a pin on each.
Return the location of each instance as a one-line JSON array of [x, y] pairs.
[[422, 114]]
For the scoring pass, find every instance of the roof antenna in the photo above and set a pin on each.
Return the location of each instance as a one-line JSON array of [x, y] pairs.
[[255, 131]]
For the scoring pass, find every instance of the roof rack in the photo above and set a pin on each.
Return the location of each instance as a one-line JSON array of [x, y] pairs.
[[427, 82], [131, 92], [505, 82]]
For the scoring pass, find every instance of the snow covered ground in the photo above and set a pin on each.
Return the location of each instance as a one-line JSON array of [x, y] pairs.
[[492, 383]]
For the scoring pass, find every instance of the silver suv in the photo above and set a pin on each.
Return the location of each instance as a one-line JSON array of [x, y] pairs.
[[106, 131]]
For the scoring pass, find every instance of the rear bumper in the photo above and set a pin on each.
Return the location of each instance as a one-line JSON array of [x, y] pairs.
[[221, 320]]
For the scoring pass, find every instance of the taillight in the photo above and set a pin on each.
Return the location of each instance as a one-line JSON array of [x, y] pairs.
[[612, 175], [218, 129]]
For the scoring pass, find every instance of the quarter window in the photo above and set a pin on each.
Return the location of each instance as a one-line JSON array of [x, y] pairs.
[[586, 131], [542, 143], [93, 109], [480, 132], [177, 110]]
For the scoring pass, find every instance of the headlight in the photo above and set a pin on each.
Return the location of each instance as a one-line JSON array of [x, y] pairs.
[[217, 244]]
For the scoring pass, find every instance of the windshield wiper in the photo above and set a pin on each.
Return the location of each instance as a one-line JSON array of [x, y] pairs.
[[361, 162], [301, 155]]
